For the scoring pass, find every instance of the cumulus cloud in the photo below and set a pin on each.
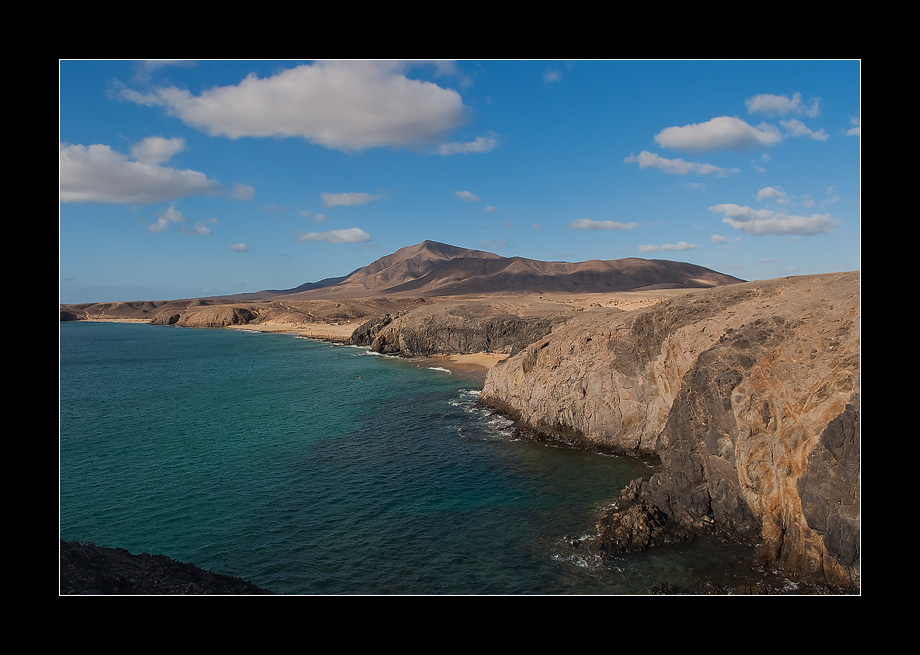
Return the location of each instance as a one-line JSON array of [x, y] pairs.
[[172, 216], [198, 229], [720, 133], [776, 105], [479, 144], [855, 125], [156, 150], [350, 235], [241, 248], [590, 224], [647, 159], [347, 199], [772, 193], [757, 222], [467, 195], [344, 105], [796, 128], [680, 245], [96, 173]]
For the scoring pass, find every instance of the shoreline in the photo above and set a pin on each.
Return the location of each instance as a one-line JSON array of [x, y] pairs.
[[471, 365]]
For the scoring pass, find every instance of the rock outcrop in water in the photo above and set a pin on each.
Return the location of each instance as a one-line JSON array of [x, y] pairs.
[[749, 394]]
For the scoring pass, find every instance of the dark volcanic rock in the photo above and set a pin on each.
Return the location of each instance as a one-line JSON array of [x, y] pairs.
[[91, 569]]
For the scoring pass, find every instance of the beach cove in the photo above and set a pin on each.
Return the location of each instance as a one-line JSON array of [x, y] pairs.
[[327, 469]]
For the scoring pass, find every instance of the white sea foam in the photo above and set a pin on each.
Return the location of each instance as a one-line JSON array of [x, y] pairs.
[[438, 368], [376, 354]]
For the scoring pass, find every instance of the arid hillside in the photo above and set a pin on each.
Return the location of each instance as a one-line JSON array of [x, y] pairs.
[[430, 274]]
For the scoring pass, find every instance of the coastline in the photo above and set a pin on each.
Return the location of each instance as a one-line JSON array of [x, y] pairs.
[[472, 365]]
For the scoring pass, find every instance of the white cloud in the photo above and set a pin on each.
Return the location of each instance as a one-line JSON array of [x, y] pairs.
[[241, 248], [647, 159], [243, 192], [680, 245], [350, 235], [172, 216], [345, 105], [854, 130], [197, 229], [479, 144], [156, 150], [347, 199], [758, 222], [797, 128], [774, 105], [772, 193], [720, 133], [96, 173], [467, 195], [718, 238], [590, 224]]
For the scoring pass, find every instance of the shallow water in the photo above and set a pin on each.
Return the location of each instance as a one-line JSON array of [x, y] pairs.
[[309, 468]]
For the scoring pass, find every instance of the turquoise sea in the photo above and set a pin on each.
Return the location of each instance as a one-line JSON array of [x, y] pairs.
[[310, 468]]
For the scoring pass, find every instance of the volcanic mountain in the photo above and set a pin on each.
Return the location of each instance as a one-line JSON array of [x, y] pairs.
[[437, 269]]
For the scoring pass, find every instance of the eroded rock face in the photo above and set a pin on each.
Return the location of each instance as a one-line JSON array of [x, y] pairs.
[[749, 394], [215, 316], [455, 328]]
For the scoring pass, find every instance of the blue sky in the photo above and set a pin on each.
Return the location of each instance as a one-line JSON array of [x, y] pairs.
[[181, 179]]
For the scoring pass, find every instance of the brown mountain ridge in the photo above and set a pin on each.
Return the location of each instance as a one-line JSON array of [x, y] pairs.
[[426, 272], [431, 268]]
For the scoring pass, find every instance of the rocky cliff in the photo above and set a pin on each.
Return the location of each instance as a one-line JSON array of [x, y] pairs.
[[455, 327], [748, 393], [88, 569]]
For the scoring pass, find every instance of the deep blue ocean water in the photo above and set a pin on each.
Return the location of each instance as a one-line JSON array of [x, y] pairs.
[[310, 468]]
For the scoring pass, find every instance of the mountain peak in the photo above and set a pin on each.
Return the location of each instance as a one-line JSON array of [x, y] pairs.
[[442, 251], [439, 269]]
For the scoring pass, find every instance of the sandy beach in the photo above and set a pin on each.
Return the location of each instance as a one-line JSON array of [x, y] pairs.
[[474, 365], [321, 331]]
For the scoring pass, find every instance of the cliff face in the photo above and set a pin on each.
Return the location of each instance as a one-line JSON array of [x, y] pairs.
[[453, 328], [749, 394]]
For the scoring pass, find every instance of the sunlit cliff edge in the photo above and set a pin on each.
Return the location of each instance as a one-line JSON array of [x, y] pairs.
[[748, 393]]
